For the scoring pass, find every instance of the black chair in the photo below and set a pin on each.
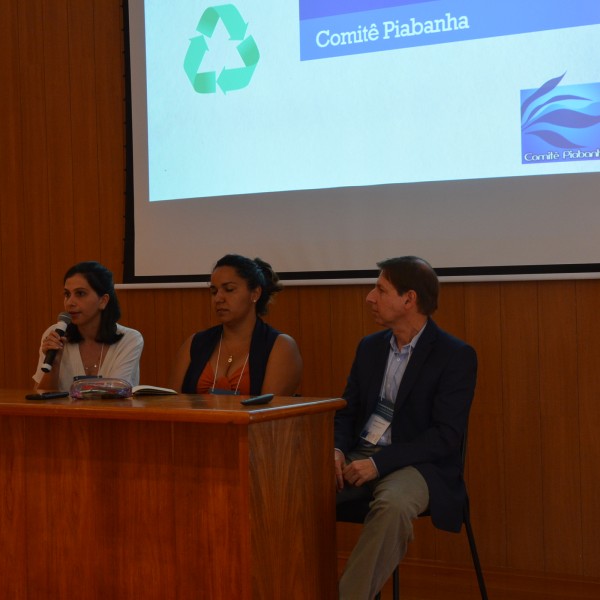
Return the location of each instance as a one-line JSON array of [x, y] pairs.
[[355, 511]]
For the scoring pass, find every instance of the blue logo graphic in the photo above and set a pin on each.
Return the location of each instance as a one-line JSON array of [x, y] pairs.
[[560, 124]]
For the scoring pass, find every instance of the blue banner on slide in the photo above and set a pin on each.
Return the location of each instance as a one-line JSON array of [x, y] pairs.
[[330, 28], [312, 9]]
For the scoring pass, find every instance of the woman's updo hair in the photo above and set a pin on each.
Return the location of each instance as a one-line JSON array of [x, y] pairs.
[[258, 274]]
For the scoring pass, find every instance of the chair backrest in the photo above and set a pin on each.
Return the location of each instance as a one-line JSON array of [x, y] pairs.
[[463, 449]]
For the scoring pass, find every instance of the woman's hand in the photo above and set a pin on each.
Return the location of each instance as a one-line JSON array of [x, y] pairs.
[[53, 341]]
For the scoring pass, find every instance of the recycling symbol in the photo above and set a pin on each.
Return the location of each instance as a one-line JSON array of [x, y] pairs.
[[229, 79]]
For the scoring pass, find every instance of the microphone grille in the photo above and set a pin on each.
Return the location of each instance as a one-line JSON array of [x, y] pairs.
[[64, 317]]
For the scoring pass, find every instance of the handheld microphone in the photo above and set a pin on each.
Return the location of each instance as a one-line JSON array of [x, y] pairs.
[[63, 320]]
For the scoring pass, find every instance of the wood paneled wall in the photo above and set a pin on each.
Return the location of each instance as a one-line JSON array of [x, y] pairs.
[[534, 447]]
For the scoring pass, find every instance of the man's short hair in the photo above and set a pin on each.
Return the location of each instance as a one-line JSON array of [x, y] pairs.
[[413, 273]]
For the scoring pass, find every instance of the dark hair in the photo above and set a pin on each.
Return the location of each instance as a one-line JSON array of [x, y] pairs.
[[258, 274], [413, 273], [100, 279]]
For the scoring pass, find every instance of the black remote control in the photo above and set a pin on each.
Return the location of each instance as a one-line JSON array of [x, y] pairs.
[[46, 395], [263, 399]]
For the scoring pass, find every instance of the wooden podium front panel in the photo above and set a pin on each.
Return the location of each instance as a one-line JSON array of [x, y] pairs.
[[212, 511], [156, 507], [13, 552], [293, 509], [265, 526], [100, 509]]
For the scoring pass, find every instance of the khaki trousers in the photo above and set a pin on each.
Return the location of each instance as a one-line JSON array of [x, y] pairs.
[[398, 499]]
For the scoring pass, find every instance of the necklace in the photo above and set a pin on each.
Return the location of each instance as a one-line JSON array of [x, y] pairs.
[[97, 365], [230, 358], [228, 352], [229, 361]]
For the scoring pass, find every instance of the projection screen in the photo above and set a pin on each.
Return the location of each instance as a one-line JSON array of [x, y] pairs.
[[325, 135]]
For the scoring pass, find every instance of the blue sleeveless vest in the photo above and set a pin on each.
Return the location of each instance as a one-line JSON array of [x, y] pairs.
[[204, 342]]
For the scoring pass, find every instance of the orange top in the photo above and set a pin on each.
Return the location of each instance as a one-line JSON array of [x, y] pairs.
[[229, 382]]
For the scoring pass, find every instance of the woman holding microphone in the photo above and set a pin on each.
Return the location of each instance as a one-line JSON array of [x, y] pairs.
[[94, 344]]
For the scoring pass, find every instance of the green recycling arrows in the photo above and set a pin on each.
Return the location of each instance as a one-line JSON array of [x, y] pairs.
[[229, 79]]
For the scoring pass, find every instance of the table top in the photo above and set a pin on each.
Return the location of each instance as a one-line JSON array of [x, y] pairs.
[[198, 408]]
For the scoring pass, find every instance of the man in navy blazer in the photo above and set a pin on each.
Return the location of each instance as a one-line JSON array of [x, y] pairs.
[[398, 441]]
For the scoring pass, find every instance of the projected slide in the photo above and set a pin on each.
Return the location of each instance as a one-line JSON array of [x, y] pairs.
[[270, 96], [325, 135]]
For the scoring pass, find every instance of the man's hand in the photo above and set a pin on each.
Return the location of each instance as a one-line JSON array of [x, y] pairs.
[[359, 472]]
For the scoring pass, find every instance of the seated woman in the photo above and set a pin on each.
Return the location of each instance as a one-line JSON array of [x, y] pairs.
[[94, 344], [242, 355]]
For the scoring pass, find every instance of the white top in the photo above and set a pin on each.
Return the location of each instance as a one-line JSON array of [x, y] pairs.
[[121, 360]]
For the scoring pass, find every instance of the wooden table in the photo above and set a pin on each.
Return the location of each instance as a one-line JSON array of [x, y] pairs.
[[167, 497]]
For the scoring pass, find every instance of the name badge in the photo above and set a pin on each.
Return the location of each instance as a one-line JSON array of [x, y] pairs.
[[376, 426], [379, 421]]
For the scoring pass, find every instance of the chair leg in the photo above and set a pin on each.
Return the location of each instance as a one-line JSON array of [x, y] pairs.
[[396, 584], [474, 555]]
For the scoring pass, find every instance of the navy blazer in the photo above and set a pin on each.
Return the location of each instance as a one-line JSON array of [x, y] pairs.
[[430, 413]]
